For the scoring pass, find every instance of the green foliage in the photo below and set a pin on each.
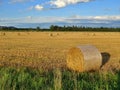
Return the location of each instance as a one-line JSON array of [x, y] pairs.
[[64, 28], [35, 79], [90, 81], [24, 79], [76, 28]]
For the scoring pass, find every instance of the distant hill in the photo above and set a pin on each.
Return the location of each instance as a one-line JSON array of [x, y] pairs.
[[8, 27]]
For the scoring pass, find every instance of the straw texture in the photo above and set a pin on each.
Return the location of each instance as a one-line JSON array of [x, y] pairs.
[[84, 58]]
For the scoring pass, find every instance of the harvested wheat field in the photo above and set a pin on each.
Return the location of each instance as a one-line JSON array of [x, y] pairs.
[[48, 50]]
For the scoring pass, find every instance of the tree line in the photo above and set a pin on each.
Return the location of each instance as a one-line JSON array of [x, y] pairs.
[[62, 28]]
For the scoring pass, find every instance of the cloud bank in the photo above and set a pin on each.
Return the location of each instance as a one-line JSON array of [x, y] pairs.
[[91, 21], [72, 19], [105, 17]]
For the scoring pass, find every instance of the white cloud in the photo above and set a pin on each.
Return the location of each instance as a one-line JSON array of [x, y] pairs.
[[105, 17], [63, 3], [39, 7], [58, 3]]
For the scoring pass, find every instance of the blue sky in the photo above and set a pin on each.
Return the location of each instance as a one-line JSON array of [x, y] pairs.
[[69, 11]]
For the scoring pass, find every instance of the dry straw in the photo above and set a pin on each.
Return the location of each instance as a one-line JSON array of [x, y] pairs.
[[84, 58]]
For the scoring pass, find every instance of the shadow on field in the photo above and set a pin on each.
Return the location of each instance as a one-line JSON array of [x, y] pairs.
[[105, 58]]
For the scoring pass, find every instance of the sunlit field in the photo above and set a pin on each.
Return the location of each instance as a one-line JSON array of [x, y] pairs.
[[47, 51]]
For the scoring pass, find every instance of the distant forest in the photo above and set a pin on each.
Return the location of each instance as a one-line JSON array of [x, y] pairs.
[[60, 28]]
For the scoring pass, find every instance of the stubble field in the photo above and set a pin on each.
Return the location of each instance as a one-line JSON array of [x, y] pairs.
[[49, 49]]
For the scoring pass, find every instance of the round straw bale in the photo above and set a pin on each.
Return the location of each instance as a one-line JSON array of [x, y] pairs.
[[51, 34], [84, 58]]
